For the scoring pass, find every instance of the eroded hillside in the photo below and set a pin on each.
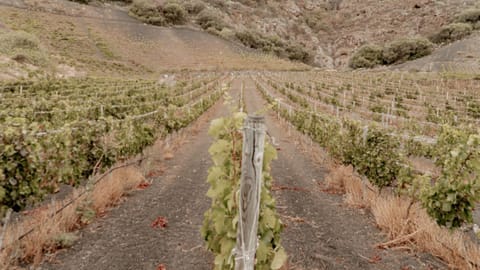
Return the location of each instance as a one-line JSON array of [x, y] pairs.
[[76, 39], [333, 29]]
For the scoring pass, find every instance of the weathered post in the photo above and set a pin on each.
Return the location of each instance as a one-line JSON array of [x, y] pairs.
[[250, 190]]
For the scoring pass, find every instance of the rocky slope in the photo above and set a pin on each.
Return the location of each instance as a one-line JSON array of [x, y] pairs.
[[333, 29]]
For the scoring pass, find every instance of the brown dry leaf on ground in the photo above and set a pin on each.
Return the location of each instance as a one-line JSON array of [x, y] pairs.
[[280, 187], [144, 185], [159, 222], [168, 156]]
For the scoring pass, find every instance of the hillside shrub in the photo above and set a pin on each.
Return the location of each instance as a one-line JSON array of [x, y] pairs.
[[298, 53], [209, 19], [452, 32], [174, 13], [22, 47], [471, 16], [194, 7], [251, 39], [157, 14], [403, 50], [273, 44], [367, 56], [81, 1], [147, 12], [314, 20]]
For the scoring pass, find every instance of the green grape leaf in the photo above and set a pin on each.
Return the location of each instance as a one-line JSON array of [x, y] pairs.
[[279, 259]]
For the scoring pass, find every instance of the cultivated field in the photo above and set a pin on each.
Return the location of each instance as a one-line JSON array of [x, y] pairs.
[[412, 136]]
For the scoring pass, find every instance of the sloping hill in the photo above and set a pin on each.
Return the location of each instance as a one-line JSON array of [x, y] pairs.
[[330, 29], [105, 40]]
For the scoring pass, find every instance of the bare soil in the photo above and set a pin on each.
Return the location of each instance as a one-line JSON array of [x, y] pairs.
[[321, 232]]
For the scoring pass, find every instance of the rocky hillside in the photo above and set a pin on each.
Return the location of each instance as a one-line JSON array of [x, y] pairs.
[[329, 30], [107, 36], [62, 38]]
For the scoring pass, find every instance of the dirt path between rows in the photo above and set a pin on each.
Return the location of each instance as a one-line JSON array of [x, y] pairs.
[[320, 233]]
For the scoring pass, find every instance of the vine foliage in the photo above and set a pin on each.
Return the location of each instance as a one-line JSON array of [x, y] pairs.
[[221, 220]]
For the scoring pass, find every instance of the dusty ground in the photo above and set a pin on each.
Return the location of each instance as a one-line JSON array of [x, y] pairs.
[[321, 233]]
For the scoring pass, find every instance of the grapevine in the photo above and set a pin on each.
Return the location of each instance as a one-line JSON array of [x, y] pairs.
[[221, 220]]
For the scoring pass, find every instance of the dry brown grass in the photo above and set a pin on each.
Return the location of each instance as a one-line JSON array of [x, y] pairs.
[[49, 225], [355, 193], [407, 226], [335, 180], [108, 192], [417, 230]]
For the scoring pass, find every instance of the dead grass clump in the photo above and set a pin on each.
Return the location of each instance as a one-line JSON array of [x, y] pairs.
[[355, 194], [109, 191], [343, 179], [454, 247], [47, 224], [416, 230], [335, 180], [390, 214]]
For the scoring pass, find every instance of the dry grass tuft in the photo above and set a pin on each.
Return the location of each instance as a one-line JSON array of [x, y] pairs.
[[335, 180], [417, 229], [390, 214], [343, 179], [355, 193], [108, 192], [48, 226]]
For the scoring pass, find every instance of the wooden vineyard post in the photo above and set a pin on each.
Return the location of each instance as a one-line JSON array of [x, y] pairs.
[[250, 191]]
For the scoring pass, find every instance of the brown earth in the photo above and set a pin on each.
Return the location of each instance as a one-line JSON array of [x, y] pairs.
[[321, 233]]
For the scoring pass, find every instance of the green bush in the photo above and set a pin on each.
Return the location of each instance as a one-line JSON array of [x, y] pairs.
[[403, 50], [314, 20], [81, 1], [174, 13], [373, 154], [153, 13], [471, 16], [453, 197], [273, 44], [209, 19], [22, 47], [194, 7], [298, 53], [251, 39], [452, 32], [367, 56], [147, 12]]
